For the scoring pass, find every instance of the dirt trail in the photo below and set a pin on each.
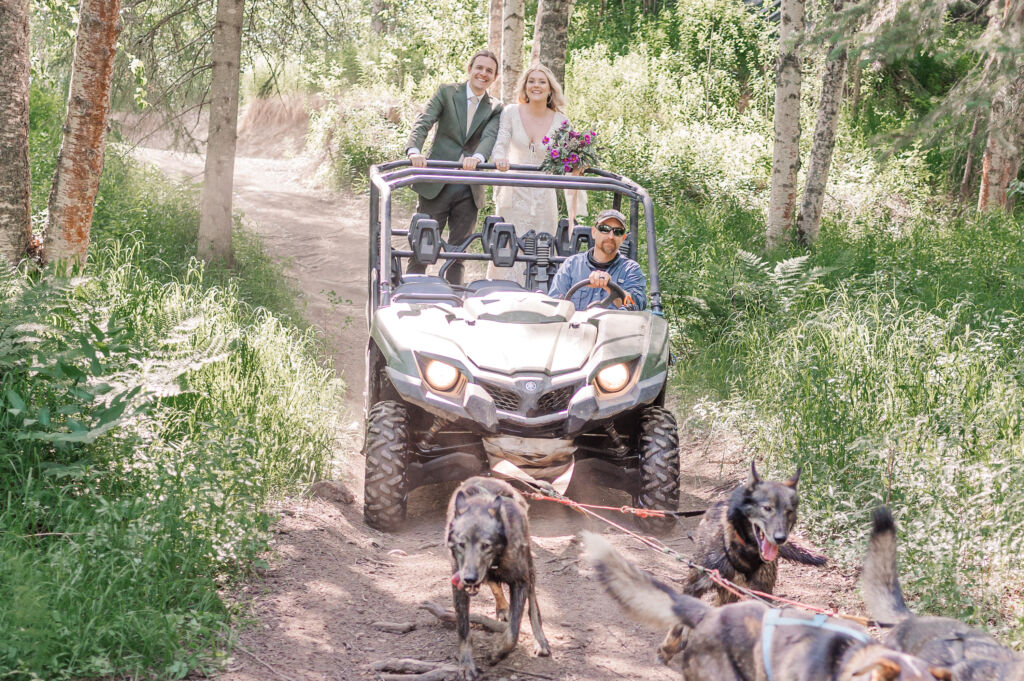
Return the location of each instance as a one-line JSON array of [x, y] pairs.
[[331, 578]]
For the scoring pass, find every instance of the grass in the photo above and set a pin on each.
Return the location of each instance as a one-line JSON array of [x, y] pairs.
[[149, 408]]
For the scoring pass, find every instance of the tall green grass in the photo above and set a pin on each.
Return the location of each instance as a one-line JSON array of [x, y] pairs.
[[886, 364], [149, 408]]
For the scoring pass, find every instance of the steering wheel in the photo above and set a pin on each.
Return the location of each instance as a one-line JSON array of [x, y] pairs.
[[615, 291]]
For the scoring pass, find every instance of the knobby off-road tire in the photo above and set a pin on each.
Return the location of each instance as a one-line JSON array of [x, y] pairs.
[[386, 488], [659, 466]]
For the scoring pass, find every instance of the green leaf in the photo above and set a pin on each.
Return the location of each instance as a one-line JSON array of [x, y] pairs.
[[44, 416], [16, 401]]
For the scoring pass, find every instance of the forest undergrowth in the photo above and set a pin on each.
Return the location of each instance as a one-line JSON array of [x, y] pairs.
[[151, 407]]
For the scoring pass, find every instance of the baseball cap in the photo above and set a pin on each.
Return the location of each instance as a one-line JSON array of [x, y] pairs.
[[609, 214]]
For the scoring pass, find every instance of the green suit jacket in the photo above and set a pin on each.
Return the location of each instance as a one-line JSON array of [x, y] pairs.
[[447, 109]]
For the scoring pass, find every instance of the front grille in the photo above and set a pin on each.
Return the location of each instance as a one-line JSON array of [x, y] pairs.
[[556, 400], [505, 400]]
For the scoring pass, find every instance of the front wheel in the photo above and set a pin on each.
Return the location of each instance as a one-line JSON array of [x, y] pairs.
[[386, 488], [659, 466]]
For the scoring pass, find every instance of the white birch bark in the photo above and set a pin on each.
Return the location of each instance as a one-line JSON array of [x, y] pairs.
[[551, 34], [786, 149], [494, 41], [15, 213], [80, 161], [832, 83], [511, 48], [218, 176]]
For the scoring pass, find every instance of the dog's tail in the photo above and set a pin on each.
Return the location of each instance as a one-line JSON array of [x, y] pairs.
[[801, 554], [643, 597], [880, 582]]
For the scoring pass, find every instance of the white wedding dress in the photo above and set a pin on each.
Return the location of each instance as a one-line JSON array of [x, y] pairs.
[[525, 207]]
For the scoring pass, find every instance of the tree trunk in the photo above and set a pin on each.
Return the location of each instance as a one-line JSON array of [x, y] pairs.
[[80, 161], [494, 42], [377, 23], [218, 177], [832, 82], [965, 182], [15, 214], [511, 48], [550, 35], [1002, 158], [786, 150]]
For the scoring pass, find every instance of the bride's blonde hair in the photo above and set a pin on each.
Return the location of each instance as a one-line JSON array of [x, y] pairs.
[[556, 100]]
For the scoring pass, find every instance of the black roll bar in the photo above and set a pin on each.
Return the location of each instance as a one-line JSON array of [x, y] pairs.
[[386, 177]]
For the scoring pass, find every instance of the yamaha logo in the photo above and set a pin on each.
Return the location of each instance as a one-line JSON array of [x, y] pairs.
[[530, 386]]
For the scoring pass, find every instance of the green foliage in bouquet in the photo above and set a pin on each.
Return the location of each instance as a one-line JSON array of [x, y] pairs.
[[569, 150]]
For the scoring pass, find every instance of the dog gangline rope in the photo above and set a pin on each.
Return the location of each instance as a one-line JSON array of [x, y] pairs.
[[714, 575]]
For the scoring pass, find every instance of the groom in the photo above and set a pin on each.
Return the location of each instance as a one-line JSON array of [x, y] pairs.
[[467, 126]]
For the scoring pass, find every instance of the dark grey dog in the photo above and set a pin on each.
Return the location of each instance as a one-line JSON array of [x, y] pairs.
[[749, 641], [970, 654], [742, 537], [488, 534]]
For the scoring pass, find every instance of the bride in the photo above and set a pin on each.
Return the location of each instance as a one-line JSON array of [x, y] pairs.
[[521, 134]]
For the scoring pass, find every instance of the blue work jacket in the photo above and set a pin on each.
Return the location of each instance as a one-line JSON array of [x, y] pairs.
[[624, 272]]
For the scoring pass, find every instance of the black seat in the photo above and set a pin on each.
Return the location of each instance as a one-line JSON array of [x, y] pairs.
[[425, 288], [484, 286]]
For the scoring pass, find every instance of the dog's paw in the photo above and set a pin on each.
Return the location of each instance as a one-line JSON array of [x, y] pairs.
[[541, 650], [470, 672], [666, 653]]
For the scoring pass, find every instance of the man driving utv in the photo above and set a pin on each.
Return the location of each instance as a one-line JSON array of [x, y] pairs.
[[600, 265]]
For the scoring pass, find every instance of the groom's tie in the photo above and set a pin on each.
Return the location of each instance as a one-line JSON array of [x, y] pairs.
[[471, 110]]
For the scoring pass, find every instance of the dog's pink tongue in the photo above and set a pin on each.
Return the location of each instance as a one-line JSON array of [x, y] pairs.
[[769, 551], [457, 581]]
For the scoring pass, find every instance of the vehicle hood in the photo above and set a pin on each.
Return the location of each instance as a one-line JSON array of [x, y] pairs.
[[511, 332]]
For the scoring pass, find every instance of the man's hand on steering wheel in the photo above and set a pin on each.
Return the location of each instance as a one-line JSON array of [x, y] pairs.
[[616, 294]]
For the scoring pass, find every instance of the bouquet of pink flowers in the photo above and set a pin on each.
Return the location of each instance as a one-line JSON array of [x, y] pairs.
[[569, 150]]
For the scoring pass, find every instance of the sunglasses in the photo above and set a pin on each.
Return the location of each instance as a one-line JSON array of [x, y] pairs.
[[617, 231]]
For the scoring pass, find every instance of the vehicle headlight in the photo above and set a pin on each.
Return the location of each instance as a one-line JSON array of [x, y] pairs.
[[440, 376], [613, 378]]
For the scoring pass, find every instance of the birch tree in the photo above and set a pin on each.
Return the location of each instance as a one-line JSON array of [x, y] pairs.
[[1002, 158], [15, 214], [494, 26], [786, 149], [218, 176], [550, 35], [511, 48], [832, 83], [80, 160]]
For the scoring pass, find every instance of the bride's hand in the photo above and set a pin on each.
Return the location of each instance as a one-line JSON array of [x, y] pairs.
[[579, 170], [501, 164]]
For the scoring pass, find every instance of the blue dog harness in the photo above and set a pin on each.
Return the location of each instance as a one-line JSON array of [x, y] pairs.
[[773, 618]]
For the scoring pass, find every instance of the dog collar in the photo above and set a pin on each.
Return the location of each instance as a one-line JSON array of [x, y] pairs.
[[774, 618]]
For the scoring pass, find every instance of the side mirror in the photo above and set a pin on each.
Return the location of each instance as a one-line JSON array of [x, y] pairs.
[[425, 240], [504, 246]]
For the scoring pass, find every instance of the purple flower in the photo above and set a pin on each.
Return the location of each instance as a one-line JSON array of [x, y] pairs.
[[554, 153], [574, 158], [545, 140], [586, 138], [573, 134], [567, 167], [565, 123]]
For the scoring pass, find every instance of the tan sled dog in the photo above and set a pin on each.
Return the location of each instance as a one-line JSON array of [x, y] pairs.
[[749, 641]]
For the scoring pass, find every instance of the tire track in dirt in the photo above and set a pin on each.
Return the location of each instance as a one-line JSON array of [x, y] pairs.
[[311, 614]]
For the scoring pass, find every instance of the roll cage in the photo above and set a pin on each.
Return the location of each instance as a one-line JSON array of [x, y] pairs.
[[386, 177]]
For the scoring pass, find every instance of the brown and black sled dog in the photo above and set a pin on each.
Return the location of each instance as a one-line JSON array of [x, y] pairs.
[[742, 537], [970, 654], [488, 534], [748, 641]]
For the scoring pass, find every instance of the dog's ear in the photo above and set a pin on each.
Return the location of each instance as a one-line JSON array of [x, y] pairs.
[[514, 523], [495, 507], [795, 479], [882, 669], [941, 673], [754, 477], [461, 502]]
